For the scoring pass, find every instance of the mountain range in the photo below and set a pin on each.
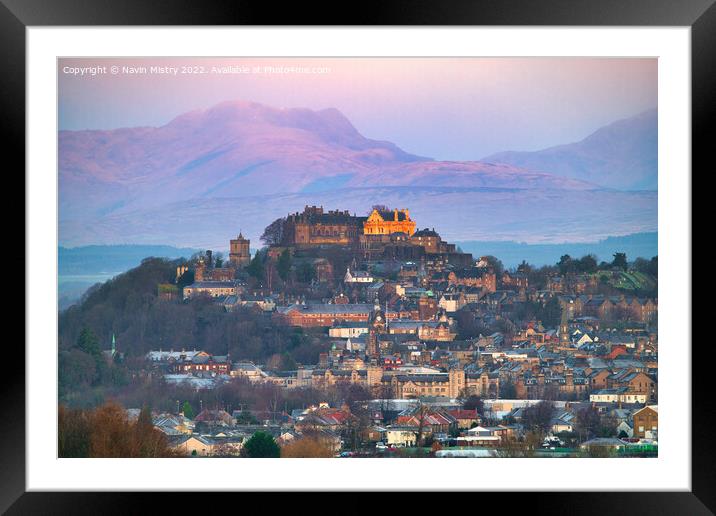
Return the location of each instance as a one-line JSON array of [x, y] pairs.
[[207, 174], [621, 155]]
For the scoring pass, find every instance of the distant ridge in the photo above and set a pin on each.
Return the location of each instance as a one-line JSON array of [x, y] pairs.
[[620, 155], [645, 245], [102, 259]]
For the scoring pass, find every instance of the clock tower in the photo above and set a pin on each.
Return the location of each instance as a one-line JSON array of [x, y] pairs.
[[377, 325]]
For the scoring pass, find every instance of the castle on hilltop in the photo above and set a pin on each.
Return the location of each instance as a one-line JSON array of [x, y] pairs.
[[384, 233], [314, 226], [317, 227]]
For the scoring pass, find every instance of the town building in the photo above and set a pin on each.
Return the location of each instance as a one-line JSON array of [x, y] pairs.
[[211, 288], [646, 422]]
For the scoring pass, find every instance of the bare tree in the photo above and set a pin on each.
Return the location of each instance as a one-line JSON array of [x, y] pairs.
[[421, 414], [525, 446], [538, 417]]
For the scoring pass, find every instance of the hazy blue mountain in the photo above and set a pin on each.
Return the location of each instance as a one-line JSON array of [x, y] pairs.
[[511, 254], [107, 259], [621, 155]]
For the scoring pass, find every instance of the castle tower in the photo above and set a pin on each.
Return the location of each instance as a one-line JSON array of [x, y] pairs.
[[239, 253]]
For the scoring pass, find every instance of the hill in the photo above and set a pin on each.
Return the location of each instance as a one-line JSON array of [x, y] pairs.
[[81, 267], [621, 155]]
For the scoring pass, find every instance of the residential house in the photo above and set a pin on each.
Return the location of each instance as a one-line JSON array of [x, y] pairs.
[[646, 422]]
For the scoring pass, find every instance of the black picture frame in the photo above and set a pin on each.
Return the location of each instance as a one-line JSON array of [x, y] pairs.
[[700, 15]]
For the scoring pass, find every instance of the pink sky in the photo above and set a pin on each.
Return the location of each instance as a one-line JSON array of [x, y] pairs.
[[445, 108]]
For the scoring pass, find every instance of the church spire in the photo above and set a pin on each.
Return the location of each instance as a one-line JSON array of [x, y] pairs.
[[564, 326]]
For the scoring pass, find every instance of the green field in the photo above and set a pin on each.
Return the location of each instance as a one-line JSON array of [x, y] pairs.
[[631, 281]]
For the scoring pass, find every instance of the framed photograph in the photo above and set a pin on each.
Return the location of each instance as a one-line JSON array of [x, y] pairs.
[[270, 252]]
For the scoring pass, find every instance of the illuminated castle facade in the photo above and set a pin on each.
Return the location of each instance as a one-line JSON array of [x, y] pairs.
[[386, 222], [314, 226]]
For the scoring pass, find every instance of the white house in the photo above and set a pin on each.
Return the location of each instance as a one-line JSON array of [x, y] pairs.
[[348, 330], [620, 395], [451, 302], [401, 436], [625, 427], [358, 276]]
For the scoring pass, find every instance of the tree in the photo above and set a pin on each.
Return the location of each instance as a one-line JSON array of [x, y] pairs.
[[308, 447], [73, 432], [551, 313], [566, 264], [262, 445], [148, 441], [283, 265], [588, 263], [495, 263], [654, 266], [88, 342], [647, 266], [538, 417], [620, 261], [508, 391], [255, 268], [112, 435], [588, 422], [524, 267], [421, 414], [467, 325], [512, 447], [76, 369], [641, 265], [287, 362], [246, 418], [273, 234], [305, 273], [473, 402], [187, 410]]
